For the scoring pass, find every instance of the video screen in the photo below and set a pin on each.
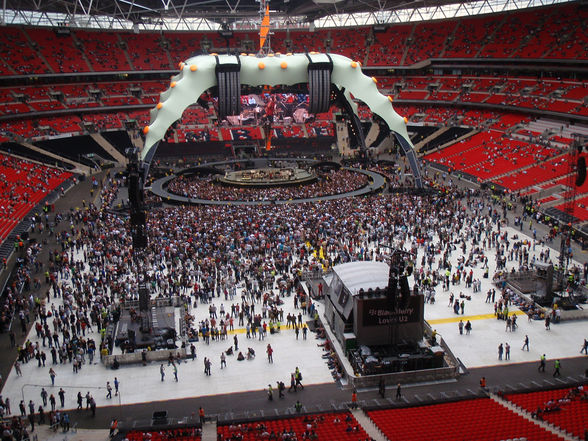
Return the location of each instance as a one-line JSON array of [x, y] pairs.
[[278, 108]]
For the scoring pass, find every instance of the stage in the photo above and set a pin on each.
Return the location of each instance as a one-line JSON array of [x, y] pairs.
[[377, 183], [268, 177]]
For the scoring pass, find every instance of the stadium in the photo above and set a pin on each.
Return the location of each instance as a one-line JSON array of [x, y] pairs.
[[294, 220]]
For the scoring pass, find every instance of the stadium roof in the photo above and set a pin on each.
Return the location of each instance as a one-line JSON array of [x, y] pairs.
[[241, 14]]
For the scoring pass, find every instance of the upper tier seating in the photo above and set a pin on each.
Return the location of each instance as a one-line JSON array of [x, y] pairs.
[[388, 47], [146, 52], [59, 50], [17, 56], [550, 32], [104, 51], [469, 36], [428, 40]]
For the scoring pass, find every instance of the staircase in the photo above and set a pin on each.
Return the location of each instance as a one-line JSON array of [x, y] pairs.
[[112, 151], [79, 46], [372, 135], [490, 38], [79, 168], [406, 46], [526, 415], [367, 424], [209, 431], [33, 45], [123, 46], [432, 136]]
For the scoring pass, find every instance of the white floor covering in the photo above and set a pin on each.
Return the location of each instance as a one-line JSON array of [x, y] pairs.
[[143, 384]]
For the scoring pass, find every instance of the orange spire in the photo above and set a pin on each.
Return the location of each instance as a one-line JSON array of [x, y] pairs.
[[265, 27]]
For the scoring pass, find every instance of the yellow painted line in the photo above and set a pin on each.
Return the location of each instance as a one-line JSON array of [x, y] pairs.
[[469, 317]]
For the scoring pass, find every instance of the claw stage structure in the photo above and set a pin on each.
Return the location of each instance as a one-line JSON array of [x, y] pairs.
[[227, 72], [331, 79]]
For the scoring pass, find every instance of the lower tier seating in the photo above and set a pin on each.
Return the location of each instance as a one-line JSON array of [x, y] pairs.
[[481, 420], [565, 408]]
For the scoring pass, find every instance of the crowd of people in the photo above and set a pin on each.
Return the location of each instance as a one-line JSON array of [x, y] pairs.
[[200, 252], [207, 188]]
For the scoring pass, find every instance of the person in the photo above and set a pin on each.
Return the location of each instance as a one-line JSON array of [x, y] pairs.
[[52, 375], [108, 390], [236, 341], [270, 392], [584, 347], [80, 400], [240, 357], [547, 322], [116, 383], [44, 396], [304, 332], [434, 336], [460, 327], [483, 382], [398, 392], [468, 327], [32, 421], [113, 426], [201, 414], [175, 372], [298, 377], [292, 383], [269, 351], [61, 394], [281, 388], [557, 366], [298, 406], [526, 344], [542, 364], [93, 406], [52, 402], [354, 399], [506, 351], [162, 371], [223, 360], [500, 351]]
